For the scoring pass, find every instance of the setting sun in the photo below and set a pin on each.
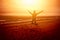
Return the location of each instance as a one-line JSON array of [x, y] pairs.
[[29, 4]]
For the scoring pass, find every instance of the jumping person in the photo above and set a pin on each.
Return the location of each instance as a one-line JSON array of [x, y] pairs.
[[34, 14]]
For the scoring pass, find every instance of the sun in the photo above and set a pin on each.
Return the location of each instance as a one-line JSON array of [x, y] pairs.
[[29, 2]]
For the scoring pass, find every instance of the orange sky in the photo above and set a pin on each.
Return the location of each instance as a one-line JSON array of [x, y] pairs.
[[19, 7]]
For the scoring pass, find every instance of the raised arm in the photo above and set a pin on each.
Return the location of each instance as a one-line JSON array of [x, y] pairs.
[[29, 12], [39, 12]]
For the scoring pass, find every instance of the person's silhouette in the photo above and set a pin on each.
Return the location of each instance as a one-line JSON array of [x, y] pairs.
[[34, 14]]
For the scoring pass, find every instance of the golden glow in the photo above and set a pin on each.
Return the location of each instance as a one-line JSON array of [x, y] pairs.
[[20, 7], [29, 4]]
